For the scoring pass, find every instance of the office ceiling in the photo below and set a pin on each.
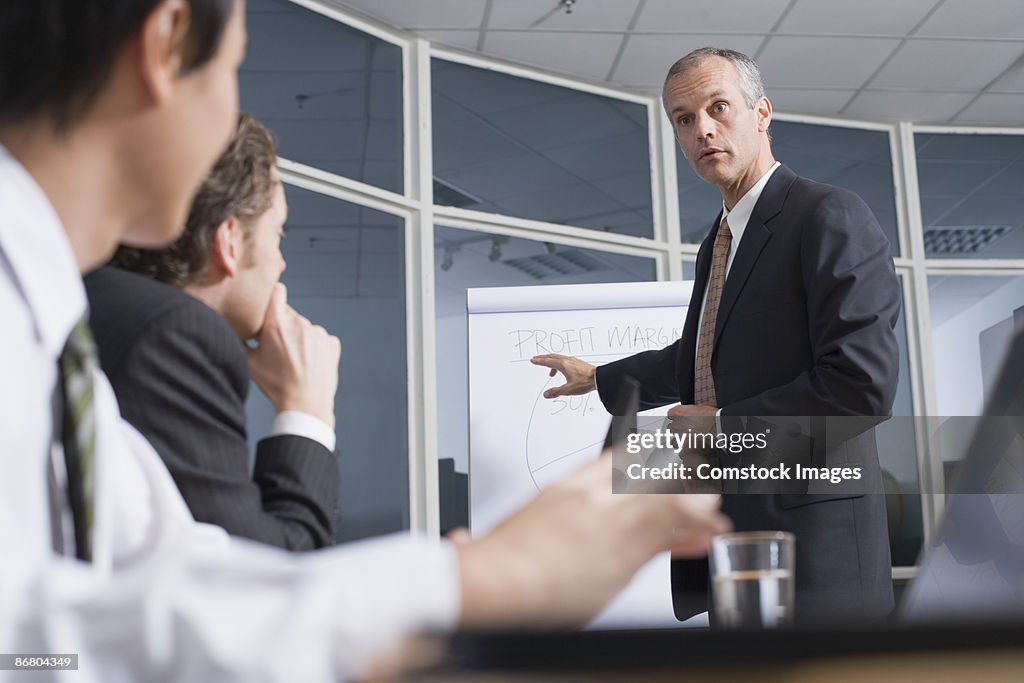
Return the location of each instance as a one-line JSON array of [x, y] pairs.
[[308, 78], [928, 61]]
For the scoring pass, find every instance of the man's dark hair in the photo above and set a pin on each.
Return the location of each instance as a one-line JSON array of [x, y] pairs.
[[58, 54], [241, 184]]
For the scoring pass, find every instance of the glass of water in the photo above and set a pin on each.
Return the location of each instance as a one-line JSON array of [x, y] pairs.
[[752, 578]]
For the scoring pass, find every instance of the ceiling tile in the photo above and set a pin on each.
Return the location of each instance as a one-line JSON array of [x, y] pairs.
[[380, 265], [564, 122], [957, 149], [496, 179], [984, 211], [999, 110], [1007, 182], [310, 95], [305, 40], [485, 91], [924, 107], [983, 18], [947, 64], [389, 287], [879, 17], [444, 108], [955, 177], [572, 120], [1010, 245], [646, 59], [825, 62], [465, 142], [586, 15], [465, 39], [637, 113], [613, 157], [434, 14], [809, 100], [632, 190], [588, 55], [723, 16], [1012, 80], [934, 207], [568, 205], [320, 140]]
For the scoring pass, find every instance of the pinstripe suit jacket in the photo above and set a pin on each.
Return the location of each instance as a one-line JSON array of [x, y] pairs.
[[181, 378]]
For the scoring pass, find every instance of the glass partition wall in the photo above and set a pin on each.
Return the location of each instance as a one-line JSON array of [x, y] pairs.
[[415, 172]]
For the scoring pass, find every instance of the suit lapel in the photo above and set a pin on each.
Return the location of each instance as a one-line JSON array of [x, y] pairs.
[[755, 237], [703, 267]]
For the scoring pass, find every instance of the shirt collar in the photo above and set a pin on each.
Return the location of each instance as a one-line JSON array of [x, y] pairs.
[[37, 248], [740, 214]]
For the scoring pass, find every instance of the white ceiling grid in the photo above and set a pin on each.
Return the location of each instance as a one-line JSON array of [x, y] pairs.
[[928, 61]]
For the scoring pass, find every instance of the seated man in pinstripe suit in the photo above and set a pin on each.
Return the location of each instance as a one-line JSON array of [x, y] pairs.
[[173, 346]]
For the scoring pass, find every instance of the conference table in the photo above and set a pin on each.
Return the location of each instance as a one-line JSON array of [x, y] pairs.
[[936, 653]]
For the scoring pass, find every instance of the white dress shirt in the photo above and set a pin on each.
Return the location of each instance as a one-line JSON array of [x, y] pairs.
[[738, 219], [166, 598], [297, 423]]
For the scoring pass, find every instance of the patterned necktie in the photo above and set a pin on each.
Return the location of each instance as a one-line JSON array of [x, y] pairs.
[[703, 381], [77, 371]]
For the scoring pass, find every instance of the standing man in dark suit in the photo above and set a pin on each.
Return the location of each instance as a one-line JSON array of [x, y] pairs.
[[792, 314], [175, 354]]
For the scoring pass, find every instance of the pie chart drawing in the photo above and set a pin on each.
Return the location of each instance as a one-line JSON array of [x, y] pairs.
[[563, 434]]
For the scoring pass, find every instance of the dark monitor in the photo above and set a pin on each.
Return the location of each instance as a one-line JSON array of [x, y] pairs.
[[626, 405], [974, 569]]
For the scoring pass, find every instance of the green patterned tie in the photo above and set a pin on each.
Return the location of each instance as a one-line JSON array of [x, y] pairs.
[[77, 371]]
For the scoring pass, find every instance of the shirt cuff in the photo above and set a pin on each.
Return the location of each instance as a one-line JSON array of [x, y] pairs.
[[296, 423]]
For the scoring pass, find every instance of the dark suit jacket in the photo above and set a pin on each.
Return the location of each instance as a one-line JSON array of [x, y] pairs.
[[181, 378], [805, 328]]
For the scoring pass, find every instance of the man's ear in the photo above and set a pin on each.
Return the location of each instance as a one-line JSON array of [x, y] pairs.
[[764, 114], [162, 44], [226, 258]]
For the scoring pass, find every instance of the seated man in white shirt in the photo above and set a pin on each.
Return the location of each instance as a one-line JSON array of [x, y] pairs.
[[173, 346], [107, 126]]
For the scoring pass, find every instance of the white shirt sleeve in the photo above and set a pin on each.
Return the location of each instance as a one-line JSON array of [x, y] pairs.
[[165, 598], [297, 423], [173, 600], [235, 611]]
